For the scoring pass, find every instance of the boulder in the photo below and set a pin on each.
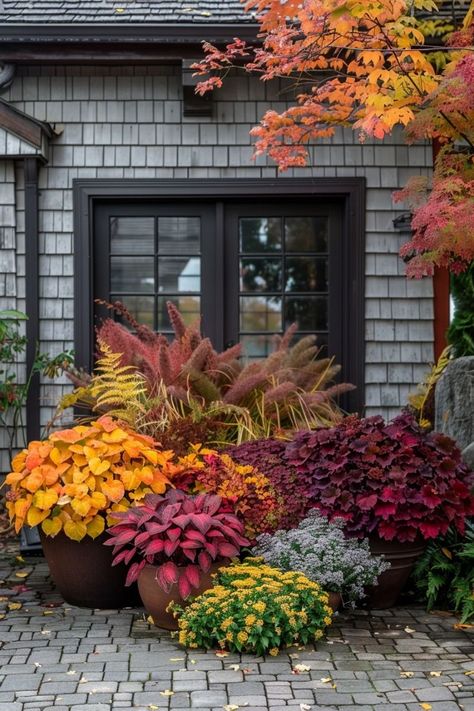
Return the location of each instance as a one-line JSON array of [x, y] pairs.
[[468, 455], [454, 401]]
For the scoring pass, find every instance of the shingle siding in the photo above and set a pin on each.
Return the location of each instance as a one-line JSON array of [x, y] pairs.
[[127, 123]]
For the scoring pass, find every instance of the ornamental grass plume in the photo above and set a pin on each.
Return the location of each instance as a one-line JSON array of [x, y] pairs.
[[156, 383], [319, 549], [256, 609]]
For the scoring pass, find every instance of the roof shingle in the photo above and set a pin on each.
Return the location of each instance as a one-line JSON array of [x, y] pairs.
[[123, 11]]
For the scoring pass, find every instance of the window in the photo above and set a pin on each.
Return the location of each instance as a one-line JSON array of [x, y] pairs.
[[248, 265]]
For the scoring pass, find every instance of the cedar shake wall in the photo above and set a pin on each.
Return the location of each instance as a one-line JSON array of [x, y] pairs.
[[126, 122]]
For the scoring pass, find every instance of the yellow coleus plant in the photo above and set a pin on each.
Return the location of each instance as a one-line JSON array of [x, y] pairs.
[[78, 478]]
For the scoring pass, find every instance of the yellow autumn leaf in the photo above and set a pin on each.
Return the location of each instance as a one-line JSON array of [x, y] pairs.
[[81, 506], [80, 475], [45, 500], [98, 500], [96, 526], [52, 526], [447, 553], [14, 606], [35, 516], [167, 692], [57, 456], [75, 530], [21, 574], [426, 707], [99, 466], [2, 616], [469, 673]]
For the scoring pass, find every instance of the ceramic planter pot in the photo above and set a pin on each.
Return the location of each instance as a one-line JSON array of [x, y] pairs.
[[156, 600], [83, 573], [402, 557], [335, 601]]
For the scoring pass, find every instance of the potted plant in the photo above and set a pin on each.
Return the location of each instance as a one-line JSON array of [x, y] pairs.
[[392, 482], [256, 609], [172, 544], [319, 549], [73, 484]]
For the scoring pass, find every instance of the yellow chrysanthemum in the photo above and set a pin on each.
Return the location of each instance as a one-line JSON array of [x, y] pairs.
[[250, 620], [242, 637], [274, 651]]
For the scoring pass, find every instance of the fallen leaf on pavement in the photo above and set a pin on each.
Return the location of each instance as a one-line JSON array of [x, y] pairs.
[[469, 673], [176, 659], [463, 626], [221, 654], [21, 574], [426, 707], [167, 692], [300, 668], [305, 707], [409, 630], [326, 679], [407, 674], [435, 673], [234, 667], [14, 605], [152, 707]]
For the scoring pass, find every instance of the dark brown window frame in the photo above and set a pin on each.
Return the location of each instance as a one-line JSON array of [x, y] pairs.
[[351, 192]]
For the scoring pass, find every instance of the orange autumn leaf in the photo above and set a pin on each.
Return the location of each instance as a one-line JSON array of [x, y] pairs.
[[34, 480], [58, 455], [81, 506], [113, 489]]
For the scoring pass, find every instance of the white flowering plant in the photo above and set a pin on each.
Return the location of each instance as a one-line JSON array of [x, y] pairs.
[[319, 549]]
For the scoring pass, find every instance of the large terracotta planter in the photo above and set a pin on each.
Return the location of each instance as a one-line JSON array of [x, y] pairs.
[[156, 600], [402, 557], [83, 573]]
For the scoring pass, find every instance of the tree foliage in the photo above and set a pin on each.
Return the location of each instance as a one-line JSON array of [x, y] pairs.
[[366, 65]]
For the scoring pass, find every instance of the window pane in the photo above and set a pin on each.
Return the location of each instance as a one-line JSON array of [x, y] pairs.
[[189, 308], [179, 235], [258, 274], [260, 313], [306, 234], [132, 274], [132, 235], [258, 346], [306, 274], [309, 312], [260, 234], [141, 307], [179, 274]]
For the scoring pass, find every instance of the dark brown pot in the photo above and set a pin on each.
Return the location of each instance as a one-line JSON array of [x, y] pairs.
[[156, 600], [402, 557], [83, 573], [335, 601]]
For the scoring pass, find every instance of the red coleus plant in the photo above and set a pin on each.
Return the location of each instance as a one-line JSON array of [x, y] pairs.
[[182, 535], [390, 479]]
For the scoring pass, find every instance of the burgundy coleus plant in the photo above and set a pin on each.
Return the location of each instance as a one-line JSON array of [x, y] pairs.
[[394, 480], [181, 535]]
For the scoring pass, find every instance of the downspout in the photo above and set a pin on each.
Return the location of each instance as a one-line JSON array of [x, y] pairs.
[[32, 295]]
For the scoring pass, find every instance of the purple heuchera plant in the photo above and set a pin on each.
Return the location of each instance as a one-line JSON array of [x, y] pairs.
[[268, 456], [182, 535], [391, 479]]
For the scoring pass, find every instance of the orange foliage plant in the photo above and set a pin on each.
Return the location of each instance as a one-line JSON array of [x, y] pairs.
[[76, 479], [249, 493]]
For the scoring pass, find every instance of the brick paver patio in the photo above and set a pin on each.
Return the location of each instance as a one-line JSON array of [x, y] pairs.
[[54, 656]]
